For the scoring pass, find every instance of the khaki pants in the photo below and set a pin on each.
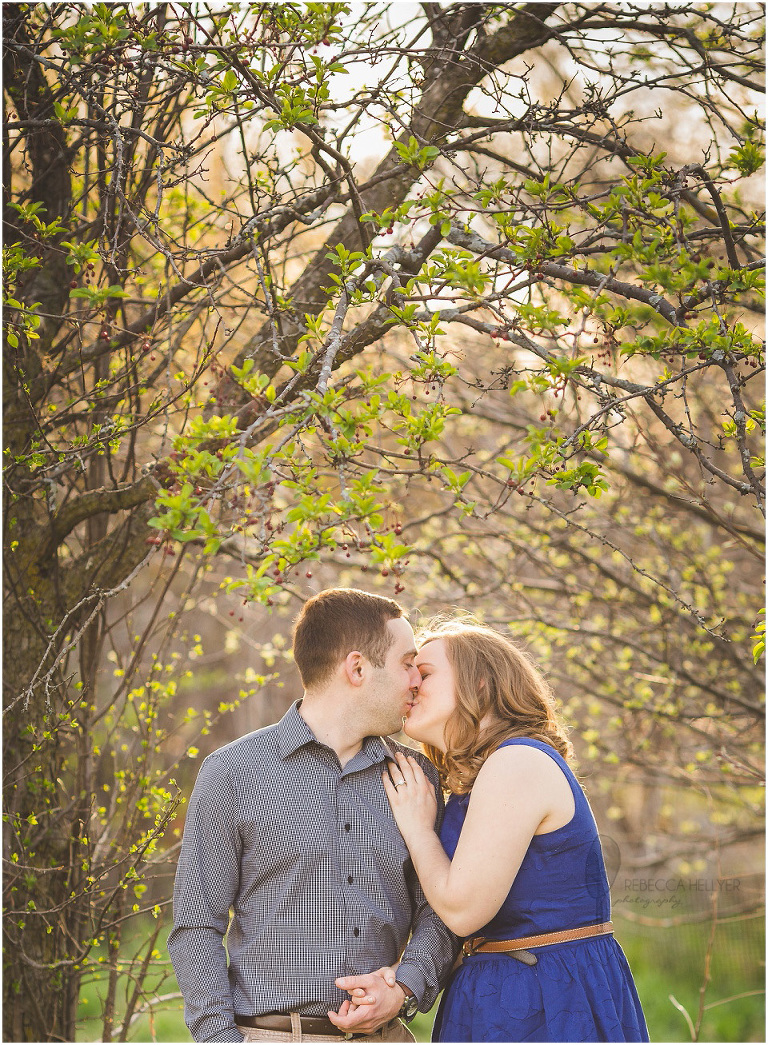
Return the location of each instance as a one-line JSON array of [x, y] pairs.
[[392, 1031]]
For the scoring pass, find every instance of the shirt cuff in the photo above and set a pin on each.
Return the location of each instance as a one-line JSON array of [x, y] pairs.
[[411, 976]]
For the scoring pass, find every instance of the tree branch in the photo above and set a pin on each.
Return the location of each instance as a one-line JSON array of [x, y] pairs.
[[439, 112], [472, 241], [93, 503]]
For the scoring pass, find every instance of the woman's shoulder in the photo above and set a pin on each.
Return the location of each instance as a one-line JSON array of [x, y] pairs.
[[519, 762], [518, 757], [528, 748], [539, 745]]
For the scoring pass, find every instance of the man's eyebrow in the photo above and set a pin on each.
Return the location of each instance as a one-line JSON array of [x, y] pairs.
[[409, 654]]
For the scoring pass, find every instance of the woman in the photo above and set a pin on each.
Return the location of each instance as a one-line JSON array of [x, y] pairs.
[[518, 854]]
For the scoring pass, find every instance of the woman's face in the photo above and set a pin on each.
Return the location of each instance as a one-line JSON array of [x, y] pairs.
[[436, 698]]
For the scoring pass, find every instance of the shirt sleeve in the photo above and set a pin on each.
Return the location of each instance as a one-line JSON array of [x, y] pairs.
[[206, 884], [431, 951]]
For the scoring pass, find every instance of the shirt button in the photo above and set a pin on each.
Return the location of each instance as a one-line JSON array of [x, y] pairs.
[[355, 932], [347, 827], [349, 879]]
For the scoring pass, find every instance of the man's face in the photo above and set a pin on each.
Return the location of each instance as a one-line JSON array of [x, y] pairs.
[[391, 689]]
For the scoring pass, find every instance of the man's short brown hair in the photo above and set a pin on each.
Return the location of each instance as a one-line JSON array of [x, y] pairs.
[[334, 623]]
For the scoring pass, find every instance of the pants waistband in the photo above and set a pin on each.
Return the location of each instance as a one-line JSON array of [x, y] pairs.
[[282, 1022]]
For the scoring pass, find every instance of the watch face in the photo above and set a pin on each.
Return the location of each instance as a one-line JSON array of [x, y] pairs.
[[410, 1007]]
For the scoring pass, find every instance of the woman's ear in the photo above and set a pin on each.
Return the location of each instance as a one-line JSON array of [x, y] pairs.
[[354, 668]]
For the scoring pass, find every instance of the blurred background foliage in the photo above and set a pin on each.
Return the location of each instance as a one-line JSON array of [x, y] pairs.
[[458, 303]]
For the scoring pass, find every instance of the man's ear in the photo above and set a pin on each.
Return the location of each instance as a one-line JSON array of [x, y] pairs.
[[354, 668]]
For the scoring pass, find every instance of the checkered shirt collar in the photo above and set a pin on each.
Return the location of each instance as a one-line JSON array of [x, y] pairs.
[[293, 733]]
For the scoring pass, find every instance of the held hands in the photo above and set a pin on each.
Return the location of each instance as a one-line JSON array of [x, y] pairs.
[[374, 1000], [411, 796]]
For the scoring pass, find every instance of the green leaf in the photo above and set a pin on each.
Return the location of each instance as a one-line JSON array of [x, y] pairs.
[[758, 648]]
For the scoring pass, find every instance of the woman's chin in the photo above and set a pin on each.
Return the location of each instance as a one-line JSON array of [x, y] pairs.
[[411, 731]]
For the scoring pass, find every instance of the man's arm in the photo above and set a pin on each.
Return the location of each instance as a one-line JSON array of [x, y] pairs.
[[206, 884]]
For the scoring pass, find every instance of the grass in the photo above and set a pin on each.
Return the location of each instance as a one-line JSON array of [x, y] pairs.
[[671, 961], [665, 961]]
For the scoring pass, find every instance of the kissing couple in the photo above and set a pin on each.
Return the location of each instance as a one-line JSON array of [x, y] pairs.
[[325, 854]]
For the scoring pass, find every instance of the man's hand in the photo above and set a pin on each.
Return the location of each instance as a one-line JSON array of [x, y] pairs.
[[375, 999]]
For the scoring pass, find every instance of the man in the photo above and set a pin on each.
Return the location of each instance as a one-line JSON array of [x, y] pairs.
[[290, 829]]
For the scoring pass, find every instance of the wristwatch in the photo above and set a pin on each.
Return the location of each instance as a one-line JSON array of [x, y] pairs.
[[410, 1005]]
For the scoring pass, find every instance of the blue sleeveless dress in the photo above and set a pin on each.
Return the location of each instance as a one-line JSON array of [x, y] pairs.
[[579, 991]]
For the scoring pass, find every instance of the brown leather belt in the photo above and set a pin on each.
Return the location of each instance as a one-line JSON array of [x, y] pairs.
[[479, 945], [309, 1025]]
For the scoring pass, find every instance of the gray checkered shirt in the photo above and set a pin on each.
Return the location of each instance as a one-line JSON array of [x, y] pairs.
[[308, 858]]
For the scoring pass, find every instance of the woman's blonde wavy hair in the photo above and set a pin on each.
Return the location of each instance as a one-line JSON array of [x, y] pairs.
[[496, 681]]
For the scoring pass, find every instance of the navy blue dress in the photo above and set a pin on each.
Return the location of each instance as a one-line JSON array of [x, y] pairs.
[[579, 991]]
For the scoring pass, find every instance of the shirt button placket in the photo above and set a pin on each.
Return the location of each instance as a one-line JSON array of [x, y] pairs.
[[347, 852]]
